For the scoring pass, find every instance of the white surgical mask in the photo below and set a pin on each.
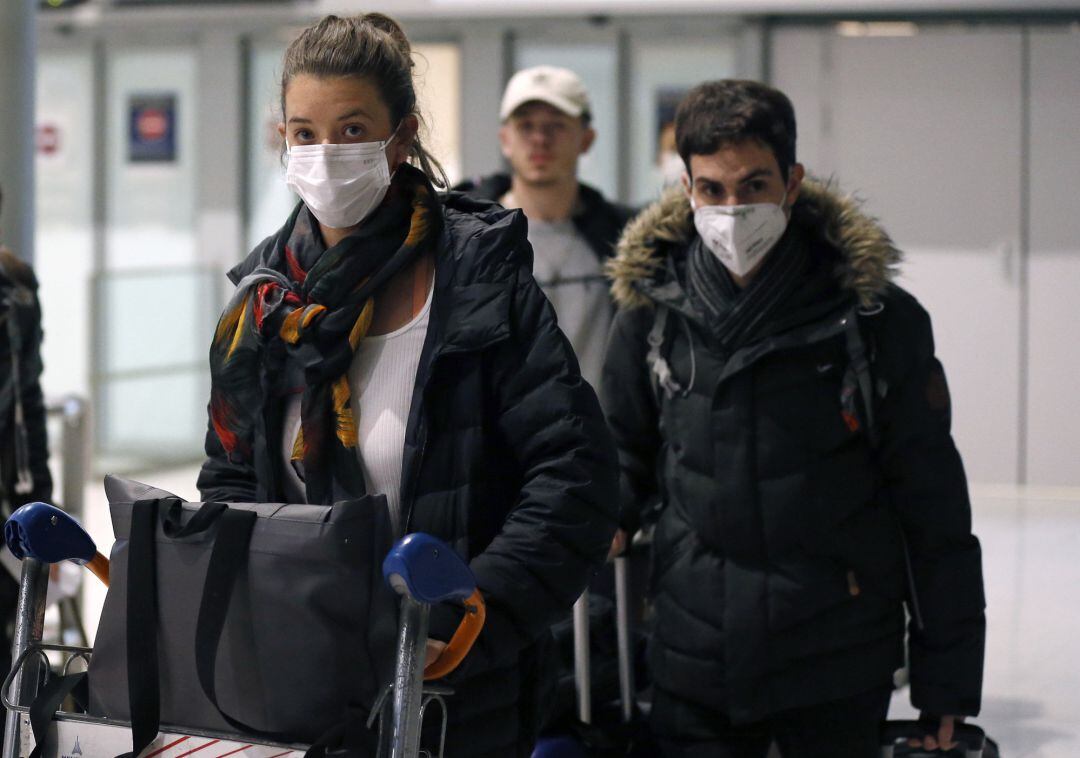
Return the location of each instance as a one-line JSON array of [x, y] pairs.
[[340, 184], [740, 235]]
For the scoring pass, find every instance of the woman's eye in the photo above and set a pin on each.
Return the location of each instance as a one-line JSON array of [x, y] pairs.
[[354, 131], [304, 135]]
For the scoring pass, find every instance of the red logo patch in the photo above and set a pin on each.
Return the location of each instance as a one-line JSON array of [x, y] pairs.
[[850, 420]]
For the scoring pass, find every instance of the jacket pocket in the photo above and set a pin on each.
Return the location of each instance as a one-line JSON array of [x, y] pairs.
[[480, 317]]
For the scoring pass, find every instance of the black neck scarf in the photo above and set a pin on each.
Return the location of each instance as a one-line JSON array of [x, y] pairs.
[[794, 286], [735, 317]]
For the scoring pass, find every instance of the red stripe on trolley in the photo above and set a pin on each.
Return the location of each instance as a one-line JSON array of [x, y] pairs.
[[200, 747], [234, 752], [171, 744], [278, 755]]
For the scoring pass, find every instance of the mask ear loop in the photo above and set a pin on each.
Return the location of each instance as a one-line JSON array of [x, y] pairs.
[[386, 144]]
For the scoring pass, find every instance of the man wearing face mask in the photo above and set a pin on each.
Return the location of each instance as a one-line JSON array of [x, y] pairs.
[[770, 386]]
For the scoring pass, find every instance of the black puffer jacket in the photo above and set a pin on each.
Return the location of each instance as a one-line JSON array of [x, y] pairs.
[[779, 564], [506, 457], [19, 300], [599, 220]]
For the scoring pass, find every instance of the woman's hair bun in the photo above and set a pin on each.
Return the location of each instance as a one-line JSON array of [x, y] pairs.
[[392, 28]]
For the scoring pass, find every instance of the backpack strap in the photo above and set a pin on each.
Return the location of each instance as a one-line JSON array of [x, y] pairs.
[[859, 376], [659, 369], [858, 381]]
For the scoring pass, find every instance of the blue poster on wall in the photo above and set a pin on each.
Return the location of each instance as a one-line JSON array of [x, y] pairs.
[[152, 128]]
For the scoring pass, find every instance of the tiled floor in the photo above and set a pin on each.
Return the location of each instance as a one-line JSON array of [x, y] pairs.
[[1031, 554]]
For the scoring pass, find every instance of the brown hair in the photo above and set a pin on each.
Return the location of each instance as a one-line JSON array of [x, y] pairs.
[[371, 45], [715, 114]]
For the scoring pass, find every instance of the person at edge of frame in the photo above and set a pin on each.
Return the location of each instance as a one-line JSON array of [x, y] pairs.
[[433, 372], [547, 126], [767, 381], [24, 454]]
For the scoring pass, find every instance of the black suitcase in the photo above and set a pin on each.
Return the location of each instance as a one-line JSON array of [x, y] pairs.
[[973, 742]]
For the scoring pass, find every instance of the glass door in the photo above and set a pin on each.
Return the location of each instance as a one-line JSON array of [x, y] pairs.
[[155, 304]]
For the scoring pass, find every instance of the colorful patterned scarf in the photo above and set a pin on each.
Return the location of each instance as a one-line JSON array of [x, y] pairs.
[[313, 307]]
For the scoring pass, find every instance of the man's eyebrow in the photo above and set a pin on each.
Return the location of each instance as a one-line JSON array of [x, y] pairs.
[[299, 120], [756, 173]]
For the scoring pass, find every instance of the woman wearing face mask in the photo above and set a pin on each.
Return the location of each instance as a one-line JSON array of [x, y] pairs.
[[391, 340]]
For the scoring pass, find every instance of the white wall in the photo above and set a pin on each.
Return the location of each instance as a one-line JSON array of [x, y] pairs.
[[930, 130], [1054, 349]]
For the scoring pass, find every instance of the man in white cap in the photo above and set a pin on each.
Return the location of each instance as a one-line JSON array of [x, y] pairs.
[[546, 128]]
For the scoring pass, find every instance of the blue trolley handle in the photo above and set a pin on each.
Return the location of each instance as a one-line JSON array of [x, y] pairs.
[[425, 571], [971, 737]]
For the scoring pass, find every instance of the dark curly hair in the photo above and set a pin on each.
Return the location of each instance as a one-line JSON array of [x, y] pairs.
[[719, 113]]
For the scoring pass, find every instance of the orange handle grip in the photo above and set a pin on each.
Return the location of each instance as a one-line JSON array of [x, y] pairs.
[[462, 641], [99, 565]]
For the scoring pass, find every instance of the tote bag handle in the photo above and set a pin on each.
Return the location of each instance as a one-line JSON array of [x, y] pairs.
[[227, 557]]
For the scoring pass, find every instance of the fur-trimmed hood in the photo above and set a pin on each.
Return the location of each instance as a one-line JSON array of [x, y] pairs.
[[868, 256]]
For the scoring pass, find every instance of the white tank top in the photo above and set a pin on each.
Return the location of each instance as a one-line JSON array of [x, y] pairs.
[[382, 377]]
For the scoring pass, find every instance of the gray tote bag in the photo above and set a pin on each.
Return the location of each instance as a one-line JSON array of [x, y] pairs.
[[267, 619]]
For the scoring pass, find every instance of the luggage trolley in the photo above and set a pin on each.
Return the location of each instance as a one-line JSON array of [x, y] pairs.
[[419, 567]]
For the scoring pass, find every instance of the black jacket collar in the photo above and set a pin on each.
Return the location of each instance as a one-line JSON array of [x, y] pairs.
[[598, 220]]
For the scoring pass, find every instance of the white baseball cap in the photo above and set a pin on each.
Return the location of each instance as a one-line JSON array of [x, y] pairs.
[[558, 87]]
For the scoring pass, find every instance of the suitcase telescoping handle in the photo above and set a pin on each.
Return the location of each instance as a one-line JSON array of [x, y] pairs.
[[970, 737], [425, 572], [624, 638], [49, 535], [582, 666]]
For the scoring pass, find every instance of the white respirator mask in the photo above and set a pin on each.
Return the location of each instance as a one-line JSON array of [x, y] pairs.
[[340, 184], [740, 235]]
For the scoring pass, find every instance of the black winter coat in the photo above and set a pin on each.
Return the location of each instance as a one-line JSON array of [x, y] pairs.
[[18, 300], [779, 558], [599, 220], [506, 457]]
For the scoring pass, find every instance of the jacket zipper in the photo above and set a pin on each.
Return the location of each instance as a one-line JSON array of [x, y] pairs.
[[419, 464], [408, 492]]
